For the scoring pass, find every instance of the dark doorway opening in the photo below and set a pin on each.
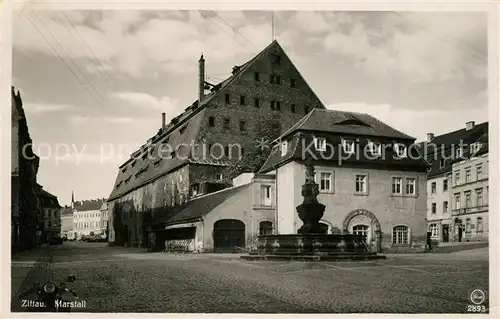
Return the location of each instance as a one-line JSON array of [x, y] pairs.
[[266, 228], [446, 233], [229, 235]]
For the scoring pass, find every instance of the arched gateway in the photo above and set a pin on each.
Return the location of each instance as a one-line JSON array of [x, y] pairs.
[[363, 222]]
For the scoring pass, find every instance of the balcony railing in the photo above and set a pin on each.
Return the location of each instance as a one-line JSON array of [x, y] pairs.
[[470, 210]]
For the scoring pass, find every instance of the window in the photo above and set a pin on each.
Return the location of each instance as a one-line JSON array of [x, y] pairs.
[[374, 148], [445, 207], [411, 186], [266, 195], [242, 126], [292, 83], [467, 199], [256, 76], [434, 229], [400, 150], [275, 79], [467, 225], [457, 177], [458, 152], [292, 108], [276, 59], [306, 110], [397, 185], [273, 105], [479, 197], [228, 100], [445, 184], [284, 148], [242, 100], [479, 172], [256, 102], [211, 121], [442, 163], [226, 123], [474, 147], [433, 188], [226, 150], [457, 201], [219, 177], [49, 224], [479, 225], [265, 228], [348, 146], [361, 184], [320, 143], [400, 235], [360, 230], [325, 182], [433, 208], [467, 175]]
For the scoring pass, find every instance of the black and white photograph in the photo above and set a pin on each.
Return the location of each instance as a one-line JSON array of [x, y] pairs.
[[253, 161]]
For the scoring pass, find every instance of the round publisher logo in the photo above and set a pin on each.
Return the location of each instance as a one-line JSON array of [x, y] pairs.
[[477, 297]]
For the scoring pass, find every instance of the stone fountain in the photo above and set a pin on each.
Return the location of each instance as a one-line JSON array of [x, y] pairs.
[[311, 243]]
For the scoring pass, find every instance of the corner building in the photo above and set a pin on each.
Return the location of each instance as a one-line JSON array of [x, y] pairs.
[[367, 180], [260, 100]]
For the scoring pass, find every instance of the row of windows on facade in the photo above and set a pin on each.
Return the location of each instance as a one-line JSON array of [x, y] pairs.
[[92, 214], [49, 214], [473, 149], [349, 147], [469, 226], [49, 224], [480, 200], [326, 183], [468, 175], [273, 104], [93, 224]]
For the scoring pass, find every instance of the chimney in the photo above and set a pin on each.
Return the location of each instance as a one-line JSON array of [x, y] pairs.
[[469, 125], [163, 120], [430, 137], [201, 80]]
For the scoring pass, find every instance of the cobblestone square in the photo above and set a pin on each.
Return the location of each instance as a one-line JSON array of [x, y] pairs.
[[115, 279]]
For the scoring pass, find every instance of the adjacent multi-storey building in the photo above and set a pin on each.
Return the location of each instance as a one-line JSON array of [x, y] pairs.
[[51, 214], [469, 193], [214, 140], [26, 217], [104, 218], [442, 152], [67, 223], [371, 179], [228, 220], [87, 218]]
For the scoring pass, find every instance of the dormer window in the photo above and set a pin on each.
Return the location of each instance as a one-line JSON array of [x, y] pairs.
[[375, 148], [474, 148], [348, 146], [458, 152], [400, 150], [320, 143], [442, 163], [219, 177], [284, 148]]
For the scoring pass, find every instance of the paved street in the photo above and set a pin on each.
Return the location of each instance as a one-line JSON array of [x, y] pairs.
[[115, 279]]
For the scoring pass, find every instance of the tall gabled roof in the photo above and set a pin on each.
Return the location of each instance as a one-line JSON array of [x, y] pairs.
[[193, 117], [87, 205]]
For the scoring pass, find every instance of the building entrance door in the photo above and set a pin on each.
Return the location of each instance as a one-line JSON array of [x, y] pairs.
[[446, 233], [229, 235]]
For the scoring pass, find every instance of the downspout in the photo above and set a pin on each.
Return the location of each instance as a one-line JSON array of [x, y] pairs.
[[276, 203]]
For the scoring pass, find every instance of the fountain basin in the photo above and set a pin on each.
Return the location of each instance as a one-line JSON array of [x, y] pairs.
[[312, 247]]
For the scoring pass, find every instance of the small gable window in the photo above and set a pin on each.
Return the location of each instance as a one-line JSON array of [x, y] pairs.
[[211, 121], [292, 83], [226, 123], [292, 108], [256, 102], [306, 110], [400, 150], [256, 76], [242, 126], [242, 100]]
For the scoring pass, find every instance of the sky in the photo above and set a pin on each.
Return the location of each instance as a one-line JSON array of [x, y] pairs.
[[94, 83]]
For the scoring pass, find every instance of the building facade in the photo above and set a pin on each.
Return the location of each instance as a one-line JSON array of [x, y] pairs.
[[228, 220], [87, 218], [26, 215], [67, 223], [442, 152], [367, 180], [51, 214], [104, 218], [469, 194], [260, 100]]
